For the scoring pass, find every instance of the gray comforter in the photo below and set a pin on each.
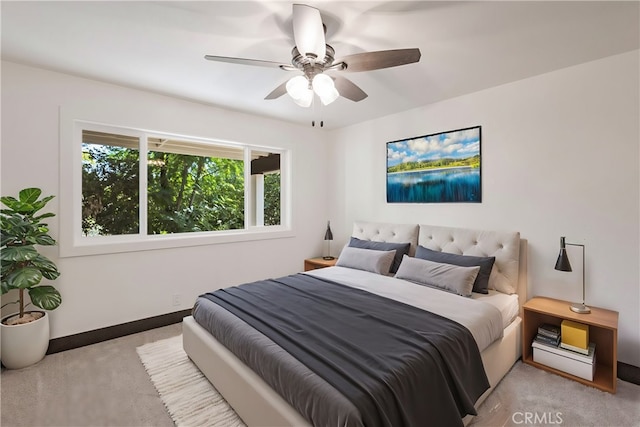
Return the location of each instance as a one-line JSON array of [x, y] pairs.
[[375, 351]]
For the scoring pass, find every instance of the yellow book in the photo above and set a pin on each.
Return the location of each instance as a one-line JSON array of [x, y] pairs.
[[574, 334]]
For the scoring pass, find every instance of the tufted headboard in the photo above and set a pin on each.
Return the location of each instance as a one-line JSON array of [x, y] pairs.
[[509, 270], [387, 232]]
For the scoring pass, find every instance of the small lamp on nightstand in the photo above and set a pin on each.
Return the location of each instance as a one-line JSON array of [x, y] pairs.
[[328, 236], [562, 264]]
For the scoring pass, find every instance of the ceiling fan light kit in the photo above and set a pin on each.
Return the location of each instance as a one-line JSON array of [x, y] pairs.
[[298, 90], [312, 56], [301, 90]]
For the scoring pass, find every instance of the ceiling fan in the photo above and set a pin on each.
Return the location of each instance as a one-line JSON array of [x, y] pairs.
[[313, 57]]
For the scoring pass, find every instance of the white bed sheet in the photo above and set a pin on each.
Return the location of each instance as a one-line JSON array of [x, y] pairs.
[[507, 304], [483, 320]]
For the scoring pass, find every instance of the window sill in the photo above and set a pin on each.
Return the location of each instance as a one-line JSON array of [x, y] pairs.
[[86, 246]]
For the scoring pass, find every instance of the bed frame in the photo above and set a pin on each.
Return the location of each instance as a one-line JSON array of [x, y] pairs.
[[259, 405]]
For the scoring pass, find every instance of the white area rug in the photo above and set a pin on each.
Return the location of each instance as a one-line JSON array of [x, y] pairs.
[[525, 396], [189, 397]]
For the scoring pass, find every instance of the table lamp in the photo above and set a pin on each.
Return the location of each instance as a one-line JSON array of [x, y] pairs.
[[563, 264], [328, 236]]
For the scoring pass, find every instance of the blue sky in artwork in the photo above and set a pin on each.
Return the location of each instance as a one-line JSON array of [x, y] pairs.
[[456, 145]]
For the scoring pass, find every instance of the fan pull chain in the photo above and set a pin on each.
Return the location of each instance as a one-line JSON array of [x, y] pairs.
[[313, 110], [313, 122]]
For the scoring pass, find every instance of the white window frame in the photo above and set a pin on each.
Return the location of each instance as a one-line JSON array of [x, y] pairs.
[[73, 243]]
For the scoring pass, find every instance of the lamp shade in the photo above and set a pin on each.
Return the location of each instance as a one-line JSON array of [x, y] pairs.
[[298, 89], [563, 264], [328, 235], [325, 88], [329, 97]]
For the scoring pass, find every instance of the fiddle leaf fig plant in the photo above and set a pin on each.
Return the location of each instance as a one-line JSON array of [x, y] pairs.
[[22, 266]]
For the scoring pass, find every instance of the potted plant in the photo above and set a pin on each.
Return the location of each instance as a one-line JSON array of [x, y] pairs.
[[25, 334]]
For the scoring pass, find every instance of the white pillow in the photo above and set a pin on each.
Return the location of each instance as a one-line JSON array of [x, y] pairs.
[[500, 283], [366, 259], [452, 278]]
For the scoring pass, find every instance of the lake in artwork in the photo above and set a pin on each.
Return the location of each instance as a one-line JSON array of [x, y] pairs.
[[450, 185], [439, 168]]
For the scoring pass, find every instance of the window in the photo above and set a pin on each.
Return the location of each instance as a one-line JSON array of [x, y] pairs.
[[110, 184], [140, 186], [272, 198], [194, 187], [265, 174]]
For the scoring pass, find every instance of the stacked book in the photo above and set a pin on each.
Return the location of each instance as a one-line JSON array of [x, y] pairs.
[[548, 334]]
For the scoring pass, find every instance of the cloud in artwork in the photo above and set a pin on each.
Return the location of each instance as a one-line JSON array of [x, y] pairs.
[[457, 144]]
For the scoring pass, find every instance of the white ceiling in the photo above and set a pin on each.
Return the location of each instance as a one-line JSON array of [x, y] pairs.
[[466, 47]]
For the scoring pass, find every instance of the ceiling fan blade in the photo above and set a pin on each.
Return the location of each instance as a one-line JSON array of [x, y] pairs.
[[256, 62], [368, 61], [349, 89], [277, 92], [308, 31]]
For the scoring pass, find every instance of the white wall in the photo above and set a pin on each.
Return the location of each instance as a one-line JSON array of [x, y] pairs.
[[105, 290], [560, 157]]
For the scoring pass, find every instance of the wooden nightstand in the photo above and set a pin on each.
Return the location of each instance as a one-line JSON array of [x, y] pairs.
[[314, 263], [603, 330]]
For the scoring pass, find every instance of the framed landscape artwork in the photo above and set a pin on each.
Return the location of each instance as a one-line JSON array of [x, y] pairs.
[[438, 168]]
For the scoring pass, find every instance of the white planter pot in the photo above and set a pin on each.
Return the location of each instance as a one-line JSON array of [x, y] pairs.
[[26, 344]]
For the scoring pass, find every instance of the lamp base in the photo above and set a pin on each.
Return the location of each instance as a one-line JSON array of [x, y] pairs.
[[580, 308], [328, 258]]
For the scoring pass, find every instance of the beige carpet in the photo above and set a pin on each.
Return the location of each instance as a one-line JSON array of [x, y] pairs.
[[525, 397]]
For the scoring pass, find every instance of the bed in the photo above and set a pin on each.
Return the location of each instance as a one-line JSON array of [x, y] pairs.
[[258, 404]]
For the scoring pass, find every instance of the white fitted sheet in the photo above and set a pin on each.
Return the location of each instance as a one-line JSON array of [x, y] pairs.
[[507, 304]]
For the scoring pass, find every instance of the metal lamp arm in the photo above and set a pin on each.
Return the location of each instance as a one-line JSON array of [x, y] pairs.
[[583, 269]]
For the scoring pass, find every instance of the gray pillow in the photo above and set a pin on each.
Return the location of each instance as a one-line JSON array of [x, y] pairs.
[[481, 285], [400, 248], [452, 278], [366, 259]]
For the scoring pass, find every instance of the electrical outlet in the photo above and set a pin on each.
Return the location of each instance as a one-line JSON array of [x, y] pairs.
[[175, 300]]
